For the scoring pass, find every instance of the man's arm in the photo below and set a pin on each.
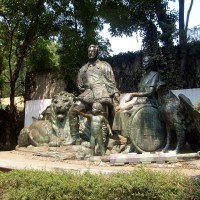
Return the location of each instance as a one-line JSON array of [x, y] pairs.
[[80, 82], [109, 79]]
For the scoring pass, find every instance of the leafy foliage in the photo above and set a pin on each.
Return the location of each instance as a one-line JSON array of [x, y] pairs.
[[153, 19], [43, 56], [21, 24], [194, 34], [138, 184], [80, 28], [127, 68]]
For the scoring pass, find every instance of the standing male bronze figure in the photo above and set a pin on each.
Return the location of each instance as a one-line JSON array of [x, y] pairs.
[[96, 83]]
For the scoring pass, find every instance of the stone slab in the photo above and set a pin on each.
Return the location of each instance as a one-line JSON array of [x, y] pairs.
[[10, 160], [157, 157]]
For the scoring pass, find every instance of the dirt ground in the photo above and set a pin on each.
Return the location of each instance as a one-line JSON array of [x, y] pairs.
[[29, 160]]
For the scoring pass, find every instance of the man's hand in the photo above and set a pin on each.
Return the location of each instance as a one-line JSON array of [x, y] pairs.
[[116, 99], [130, 97], [110, 132], [117, 108]]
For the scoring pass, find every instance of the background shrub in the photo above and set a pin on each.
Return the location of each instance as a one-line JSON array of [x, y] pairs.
[[138, 184]]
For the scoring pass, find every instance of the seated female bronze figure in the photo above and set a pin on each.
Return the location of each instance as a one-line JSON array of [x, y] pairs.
[[140, 122]]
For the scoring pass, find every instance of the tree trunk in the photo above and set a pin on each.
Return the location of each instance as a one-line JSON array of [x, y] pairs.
[[13, 110], [188, 17], [182, 38], [13, 134], [183, 43]]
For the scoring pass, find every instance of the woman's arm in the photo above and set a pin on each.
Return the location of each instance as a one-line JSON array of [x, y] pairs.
[[148, 93]]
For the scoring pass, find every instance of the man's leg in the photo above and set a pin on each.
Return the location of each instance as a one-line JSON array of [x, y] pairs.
[[74, 121]]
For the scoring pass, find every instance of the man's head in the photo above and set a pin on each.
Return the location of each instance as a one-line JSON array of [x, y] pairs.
[[93, 51], [97, 108], [147, 62]]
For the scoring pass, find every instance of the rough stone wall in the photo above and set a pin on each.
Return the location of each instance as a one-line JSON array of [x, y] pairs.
[[193, 65], [127, 68], [43, 86]]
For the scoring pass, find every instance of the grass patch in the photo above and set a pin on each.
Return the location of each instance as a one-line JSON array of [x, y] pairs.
[[138, 184]]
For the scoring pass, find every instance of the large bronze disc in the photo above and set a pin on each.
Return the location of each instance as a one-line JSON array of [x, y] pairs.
[[147, 132]]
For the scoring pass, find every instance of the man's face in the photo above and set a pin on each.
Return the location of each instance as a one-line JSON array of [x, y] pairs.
[[146, 62], [92, 53]]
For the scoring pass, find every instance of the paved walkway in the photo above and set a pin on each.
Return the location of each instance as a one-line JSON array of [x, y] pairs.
[[27, 160]]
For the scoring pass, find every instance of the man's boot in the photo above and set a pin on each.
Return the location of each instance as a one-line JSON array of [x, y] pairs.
[[74, 131]]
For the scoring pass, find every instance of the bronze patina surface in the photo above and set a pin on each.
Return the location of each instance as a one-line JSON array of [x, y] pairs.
[[147, 132], [55, 130]]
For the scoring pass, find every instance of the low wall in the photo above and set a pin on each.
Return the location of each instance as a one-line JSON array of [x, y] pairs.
[[192, 94], [34, 108]]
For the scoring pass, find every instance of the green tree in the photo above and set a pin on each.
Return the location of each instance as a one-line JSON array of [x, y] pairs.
[[43, 56], [151, 18], [183, 24], [80, 27], [183, 27], [194, 34], [21, 24]]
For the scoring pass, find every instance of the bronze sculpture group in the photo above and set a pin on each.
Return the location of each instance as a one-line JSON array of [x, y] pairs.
[[148, 124]]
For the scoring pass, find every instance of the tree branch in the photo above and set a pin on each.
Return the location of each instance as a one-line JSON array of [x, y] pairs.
[[188, 16]]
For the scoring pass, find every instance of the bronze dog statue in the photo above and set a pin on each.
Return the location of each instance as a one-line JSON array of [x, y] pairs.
[[172, 114]]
